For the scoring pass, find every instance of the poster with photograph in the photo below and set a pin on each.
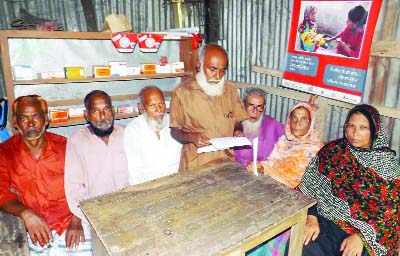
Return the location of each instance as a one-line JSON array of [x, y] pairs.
[[329, 46]]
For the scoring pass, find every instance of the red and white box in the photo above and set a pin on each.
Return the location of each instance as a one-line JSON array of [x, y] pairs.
[[149, 42], [124, 42]]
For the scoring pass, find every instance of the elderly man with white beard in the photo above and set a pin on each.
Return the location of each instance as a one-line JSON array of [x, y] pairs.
[[151, 151], [204, 107], [264, 127]]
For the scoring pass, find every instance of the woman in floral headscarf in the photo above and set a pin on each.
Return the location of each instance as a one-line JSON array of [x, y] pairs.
[[356, 181], [288, 161], [294, 150]]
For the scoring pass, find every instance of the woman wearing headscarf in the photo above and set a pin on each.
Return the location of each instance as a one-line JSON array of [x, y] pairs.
[[288, 161], [294, 150], [309, 23], [356, 182]]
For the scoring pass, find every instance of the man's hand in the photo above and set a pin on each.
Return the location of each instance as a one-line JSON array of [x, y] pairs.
[[200, 140], [74, 235], [37, 228], [352, 246], [238, 130], [260, 168], [238, 133], [184, 137], [312, 229]]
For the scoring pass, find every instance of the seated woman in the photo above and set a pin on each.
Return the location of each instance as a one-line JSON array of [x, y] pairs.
[[288, 161], [293, 150], [356, 181]]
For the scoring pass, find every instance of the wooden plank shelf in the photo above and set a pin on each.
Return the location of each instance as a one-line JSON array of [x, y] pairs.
[[79, 101], [75, 35], [83, 121], [103, 79]]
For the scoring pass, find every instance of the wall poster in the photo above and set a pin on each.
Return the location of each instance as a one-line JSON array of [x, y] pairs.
[[329, 46]]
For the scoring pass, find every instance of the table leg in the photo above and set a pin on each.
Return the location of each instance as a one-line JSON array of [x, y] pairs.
[[297, 235]]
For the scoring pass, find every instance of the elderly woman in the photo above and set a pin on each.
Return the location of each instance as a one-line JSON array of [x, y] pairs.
[[288, 161], [356, 181], [294, 149]]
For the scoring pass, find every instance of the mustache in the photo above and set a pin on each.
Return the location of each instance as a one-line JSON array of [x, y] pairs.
[[32, 129], [213, 81], [159, 114], [104, 121]]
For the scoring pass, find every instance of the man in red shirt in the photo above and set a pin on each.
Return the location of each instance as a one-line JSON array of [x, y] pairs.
[[32, 180]]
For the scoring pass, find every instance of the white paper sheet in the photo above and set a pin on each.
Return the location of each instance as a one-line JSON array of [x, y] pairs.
[[255, 153], [224, 143]]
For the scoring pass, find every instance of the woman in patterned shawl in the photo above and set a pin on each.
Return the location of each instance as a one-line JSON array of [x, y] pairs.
[[356, 181], [288, 161], [294, 150]]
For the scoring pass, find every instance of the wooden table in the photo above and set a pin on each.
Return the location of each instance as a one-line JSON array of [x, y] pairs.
[[215, 211], [13, 240]]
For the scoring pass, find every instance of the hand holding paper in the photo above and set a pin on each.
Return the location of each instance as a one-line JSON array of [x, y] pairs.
[[224, 143]]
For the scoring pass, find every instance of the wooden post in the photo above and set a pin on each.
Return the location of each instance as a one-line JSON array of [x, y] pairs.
[[90, 17]]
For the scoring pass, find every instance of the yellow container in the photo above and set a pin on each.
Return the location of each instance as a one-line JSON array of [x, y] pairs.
[[75, 72]]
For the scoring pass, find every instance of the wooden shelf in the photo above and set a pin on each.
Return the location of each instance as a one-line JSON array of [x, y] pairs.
[[72, 35], [79, 101], [83, 121], [105, 79]]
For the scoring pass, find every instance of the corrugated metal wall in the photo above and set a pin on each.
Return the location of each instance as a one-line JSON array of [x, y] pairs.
[[254, 32], [151, 15]]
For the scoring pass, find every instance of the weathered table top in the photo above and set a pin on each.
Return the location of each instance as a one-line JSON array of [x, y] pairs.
[[206, 212], [13, 240]]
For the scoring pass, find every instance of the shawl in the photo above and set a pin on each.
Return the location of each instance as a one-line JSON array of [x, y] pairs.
[[359, 189], [290, 156], [308, 24], [270, 131]]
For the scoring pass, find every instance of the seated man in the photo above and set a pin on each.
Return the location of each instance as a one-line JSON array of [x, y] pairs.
[[95, 161], [151, 151], [267, 129], [32, 183]]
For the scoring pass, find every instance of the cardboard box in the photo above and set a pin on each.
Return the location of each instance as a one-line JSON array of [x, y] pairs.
[[125, 109], [43, 75], [118, 68], [56, 74], [101, 71], [58, 115], [76, 113], [133, 71], [22, 72], [178, 67], [148, 68], [163, 69], [75, 72]]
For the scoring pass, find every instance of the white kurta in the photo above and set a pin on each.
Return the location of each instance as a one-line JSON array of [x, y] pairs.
[[150, 158]]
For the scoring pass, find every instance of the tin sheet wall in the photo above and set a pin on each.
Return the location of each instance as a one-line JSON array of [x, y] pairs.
[[253, 31], [256, 33]]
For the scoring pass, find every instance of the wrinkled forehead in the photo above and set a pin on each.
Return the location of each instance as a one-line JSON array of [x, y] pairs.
[[99, 101], [29, 105]]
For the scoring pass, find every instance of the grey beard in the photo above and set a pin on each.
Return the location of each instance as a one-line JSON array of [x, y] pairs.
[[154, 124], [252, 128]]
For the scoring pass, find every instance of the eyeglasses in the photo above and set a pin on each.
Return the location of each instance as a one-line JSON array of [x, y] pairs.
[[251, 107], [302, 120]]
